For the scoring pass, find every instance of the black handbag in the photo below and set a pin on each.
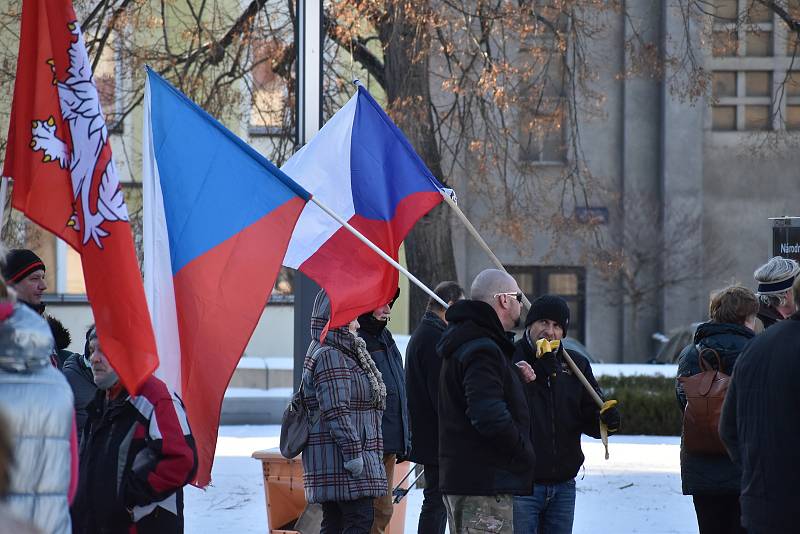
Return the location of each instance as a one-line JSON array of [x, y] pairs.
[[294, 426]]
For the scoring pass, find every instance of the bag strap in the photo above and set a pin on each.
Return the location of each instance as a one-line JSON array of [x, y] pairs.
[[314, 357], [704, 365]]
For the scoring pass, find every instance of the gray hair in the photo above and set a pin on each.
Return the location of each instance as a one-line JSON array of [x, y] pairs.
[[490, 282], [776, 270]]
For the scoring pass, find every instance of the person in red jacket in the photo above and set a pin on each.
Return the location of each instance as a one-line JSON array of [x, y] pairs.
[[137, 452]]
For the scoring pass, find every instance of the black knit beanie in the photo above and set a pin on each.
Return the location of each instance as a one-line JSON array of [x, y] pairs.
[[21, 262], [549, 307]]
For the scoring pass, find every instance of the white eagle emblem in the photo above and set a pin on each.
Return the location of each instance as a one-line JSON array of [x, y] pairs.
[[80, 108]]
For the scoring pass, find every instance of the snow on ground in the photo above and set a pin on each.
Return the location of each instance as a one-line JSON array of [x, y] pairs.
[[638, 490]]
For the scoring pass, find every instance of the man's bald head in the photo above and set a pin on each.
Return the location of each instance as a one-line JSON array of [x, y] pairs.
[[498, 289], [490, 282]]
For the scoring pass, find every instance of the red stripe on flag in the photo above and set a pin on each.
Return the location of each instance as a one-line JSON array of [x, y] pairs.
[[355, 277], [220, 297]]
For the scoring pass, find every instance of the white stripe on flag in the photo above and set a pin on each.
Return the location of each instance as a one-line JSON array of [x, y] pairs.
[[157, 266], [322, 167]]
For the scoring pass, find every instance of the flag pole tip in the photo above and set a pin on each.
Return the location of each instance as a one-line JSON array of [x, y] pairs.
[[358, 83]]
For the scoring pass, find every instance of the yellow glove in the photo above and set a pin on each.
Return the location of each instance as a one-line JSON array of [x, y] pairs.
[[609, 415], [609, 421], [543, 346]]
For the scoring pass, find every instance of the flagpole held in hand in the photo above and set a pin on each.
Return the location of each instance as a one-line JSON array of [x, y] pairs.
[[380, 252], [527, 303]]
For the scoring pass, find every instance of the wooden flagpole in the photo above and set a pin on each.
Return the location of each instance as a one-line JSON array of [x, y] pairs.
[[577, 372]]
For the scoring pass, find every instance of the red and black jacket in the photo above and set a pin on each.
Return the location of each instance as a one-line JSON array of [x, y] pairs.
[[136, 454]]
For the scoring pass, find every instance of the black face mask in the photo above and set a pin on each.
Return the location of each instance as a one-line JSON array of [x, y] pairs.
[[369, 324]]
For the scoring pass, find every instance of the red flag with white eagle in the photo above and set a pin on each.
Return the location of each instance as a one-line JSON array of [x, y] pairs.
[[65, 180]]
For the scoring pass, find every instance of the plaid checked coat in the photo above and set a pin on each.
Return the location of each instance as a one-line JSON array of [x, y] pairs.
[[345, 424]]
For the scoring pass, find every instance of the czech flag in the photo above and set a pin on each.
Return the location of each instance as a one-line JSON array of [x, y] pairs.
[[65, 180], [217, 220], [361, 166]]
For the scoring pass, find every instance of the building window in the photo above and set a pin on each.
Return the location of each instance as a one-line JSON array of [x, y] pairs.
[[543, 101], [566, 282], [752, 80], [269, 104]]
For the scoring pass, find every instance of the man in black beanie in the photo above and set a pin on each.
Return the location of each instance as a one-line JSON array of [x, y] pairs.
[[561, 410], [24, 271]]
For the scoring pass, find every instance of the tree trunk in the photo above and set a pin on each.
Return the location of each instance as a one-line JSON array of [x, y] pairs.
[[405, 38]]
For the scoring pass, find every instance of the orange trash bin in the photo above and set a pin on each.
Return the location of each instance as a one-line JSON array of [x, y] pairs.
[[286, 500]]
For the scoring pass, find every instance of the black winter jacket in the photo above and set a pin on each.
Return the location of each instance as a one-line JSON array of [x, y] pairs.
[[423, 364], [383, 349], [484, 430], [81, 380], [136, 455], [704, 474], [760, 426], [561, 410]]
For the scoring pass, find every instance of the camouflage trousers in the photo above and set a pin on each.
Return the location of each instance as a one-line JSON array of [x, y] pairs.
[[472, 514]]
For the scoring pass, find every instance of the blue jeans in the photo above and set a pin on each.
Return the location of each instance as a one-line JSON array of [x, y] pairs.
[[549, 510]]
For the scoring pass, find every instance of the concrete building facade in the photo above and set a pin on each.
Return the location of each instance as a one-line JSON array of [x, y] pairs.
[[688, 184]]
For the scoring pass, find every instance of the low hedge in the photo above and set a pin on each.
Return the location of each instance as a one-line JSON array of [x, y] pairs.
[[647, 403]]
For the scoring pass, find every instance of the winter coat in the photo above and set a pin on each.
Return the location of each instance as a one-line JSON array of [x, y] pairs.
[[768, 315], [11, 525], [389, 361], [345, 423], [760, 427], [137, 453], [80, 378], [37, 404], [705, 474], [484, 429], [561, 410], [423, 364]]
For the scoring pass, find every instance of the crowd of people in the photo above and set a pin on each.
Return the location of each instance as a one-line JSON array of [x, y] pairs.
[[753, 337], [494, 422], [78, 453]]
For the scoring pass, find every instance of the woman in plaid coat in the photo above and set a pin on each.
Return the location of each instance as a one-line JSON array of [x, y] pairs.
[[345, 397]]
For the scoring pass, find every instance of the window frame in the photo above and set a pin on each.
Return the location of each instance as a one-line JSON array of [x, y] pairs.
[[779, 64], [540, 274]]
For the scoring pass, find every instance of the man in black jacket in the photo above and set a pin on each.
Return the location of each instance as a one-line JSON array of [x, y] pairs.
[[485, 453], [136, 454], [561, 410], [394, 424], [760, 426], [422, 386]]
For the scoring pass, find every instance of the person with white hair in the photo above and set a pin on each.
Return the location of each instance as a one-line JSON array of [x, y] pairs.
[[775, 279]]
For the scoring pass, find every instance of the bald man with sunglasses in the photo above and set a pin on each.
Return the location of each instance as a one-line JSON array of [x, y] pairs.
[[485, 453]]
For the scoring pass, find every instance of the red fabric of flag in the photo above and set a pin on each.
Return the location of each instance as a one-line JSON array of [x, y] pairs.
[[65, 180]]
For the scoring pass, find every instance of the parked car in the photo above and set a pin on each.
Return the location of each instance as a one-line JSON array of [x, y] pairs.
[[673, 343]]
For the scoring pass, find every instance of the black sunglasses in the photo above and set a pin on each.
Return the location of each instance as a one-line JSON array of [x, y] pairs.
[[517, 295]]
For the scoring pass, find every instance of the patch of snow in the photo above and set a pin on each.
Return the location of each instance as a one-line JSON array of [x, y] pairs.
[[638, 490], [256, 392], [632, 369]]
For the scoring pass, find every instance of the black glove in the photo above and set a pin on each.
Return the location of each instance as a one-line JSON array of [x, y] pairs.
[[546, 366], [610, 416]]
